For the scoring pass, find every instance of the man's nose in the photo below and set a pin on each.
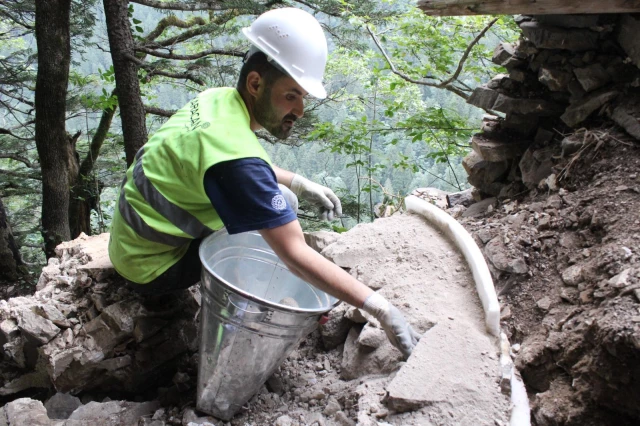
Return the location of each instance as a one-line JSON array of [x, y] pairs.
[[298, 109]]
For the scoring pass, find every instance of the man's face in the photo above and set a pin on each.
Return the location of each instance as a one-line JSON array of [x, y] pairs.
[[279, 105]]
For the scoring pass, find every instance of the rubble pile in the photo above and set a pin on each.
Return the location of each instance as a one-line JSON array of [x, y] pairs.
[[84, 349], [563, 70], [566, 264]]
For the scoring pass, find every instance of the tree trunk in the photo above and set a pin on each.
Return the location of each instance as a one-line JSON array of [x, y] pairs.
[[54, 54], [132, 114], [85, 188], [9, 255]]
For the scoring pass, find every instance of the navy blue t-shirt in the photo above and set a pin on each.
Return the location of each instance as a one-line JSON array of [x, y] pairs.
[[246, 196]]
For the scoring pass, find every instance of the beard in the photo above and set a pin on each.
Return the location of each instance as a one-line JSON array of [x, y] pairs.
[[266, 115]]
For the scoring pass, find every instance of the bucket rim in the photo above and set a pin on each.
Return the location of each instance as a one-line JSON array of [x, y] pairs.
[[252, 297]]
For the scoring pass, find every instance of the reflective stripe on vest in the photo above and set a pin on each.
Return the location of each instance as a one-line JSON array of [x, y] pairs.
[[179, 217]]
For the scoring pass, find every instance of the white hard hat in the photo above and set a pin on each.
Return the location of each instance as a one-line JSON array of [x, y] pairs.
[[293, 39]]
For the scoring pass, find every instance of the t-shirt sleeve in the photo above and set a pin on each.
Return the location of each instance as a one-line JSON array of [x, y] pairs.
[[246, 196]]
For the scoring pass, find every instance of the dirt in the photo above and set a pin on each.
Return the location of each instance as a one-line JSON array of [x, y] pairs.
[[574, 316]]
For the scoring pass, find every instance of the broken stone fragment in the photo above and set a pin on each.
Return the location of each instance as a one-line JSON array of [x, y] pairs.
[[114, 413], [544, 303], [622, 279], [627, 114], [61, 405], [38, 329], [51, 313], [503, 259], [481, 172], [535, 166], [581, 109], [371, 337], [592, 77], [556, 80], [572, 276], [334, 332], [358, 361]]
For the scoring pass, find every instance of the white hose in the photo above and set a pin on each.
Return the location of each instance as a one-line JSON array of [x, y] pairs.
[[520, 411]]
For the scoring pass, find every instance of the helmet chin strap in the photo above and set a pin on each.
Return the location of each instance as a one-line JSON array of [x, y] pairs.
[[253, 50]]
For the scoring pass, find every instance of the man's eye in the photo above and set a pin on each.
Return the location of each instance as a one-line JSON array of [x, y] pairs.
[[291, 97]]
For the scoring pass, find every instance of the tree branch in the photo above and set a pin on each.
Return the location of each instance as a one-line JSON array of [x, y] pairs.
[[21, 159], [158, 111], [186, 6], [152, 52], [446, 84], [20, 175], [173, 21], [153, 71], [467, 51]]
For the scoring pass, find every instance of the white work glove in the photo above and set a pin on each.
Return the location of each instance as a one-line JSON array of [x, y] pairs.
[[398, 330], [322, 197]]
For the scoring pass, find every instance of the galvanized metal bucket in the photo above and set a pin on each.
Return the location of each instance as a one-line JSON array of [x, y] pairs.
[[249, 320]]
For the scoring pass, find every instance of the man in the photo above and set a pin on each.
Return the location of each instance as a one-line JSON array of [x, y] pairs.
[[204, 169]]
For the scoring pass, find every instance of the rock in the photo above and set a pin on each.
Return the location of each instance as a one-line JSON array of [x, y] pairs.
[[320, 239], [548, 37], [556, 80], [628, 30], [580, 110], [332, 407], [371, 337], [480, 208], [622, 279], [502, 259], [627, 114], [572, 276], [496, 151], [8, 330], [23, 412], [463, 198], [114, 413], [358, 361], [522, 124], [275, 385], [334, 332], [535, 166], [483, 97], [343, 420], [592, 77], [538, 107], [544, 303], [482, 172], [190, 418], [569, 21], [571, 144], [504, 53], [61, 405], [284, 421], [38, 329]]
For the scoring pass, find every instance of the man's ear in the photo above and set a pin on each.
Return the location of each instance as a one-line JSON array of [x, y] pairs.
[[254, 81]]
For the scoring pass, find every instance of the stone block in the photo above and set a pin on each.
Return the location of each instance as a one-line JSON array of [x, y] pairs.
[[555, 79], [583, 108], [358, 361], [548, 37], [525, 125], [128, 413], [592, 77], [569, 21], [538, 107], [39, 330], [628, 30], [482, 172], [496, 150], [483, 97], [627, 114], [502, 53]]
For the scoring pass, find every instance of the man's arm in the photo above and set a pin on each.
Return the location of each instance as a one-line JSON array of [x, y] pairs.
[[283, 176], [287, 241]]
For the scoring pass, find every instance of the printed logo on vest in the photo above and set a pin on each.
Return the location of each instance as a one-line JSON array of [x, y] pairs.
[[278, 202]]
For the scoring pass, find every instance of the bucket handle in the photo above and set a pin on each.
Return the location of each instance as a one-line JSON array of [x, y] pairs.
[[236, 309]]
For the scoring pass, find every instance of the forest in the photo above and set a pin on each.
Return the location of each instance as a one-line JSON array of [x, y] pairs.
[[84, 83]]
